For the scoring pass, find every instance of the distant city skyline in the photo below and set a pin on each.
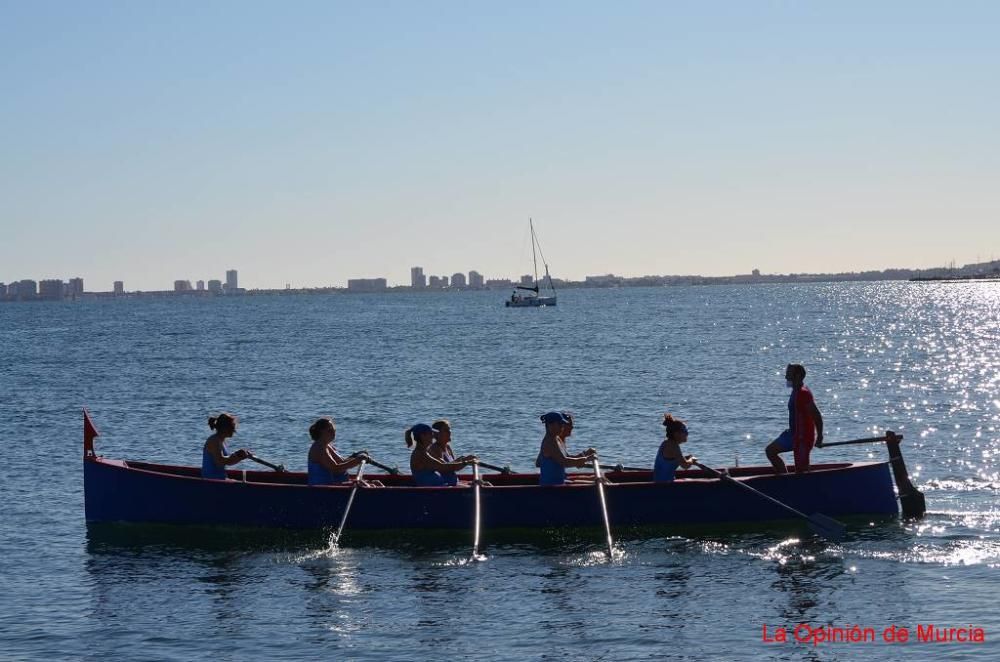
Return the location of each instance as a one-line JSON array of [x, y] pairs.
[[356, 140], [472, 279], [55, 289]]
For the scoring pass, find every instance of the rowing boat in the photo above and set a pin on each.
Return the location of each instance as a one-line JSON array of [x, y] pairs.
[[131, 491]]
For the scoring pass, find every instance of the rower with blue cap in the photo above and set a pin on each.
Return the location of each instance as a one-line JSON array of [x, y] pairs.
[[669, 457], [553, 457], [427, 470]]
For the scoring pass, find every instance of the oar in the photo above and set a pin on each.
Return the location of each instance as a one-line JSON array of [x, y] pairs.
[[621, 467], [824, 526], [391, 470], [475, 530], [866, 440], [350, 500], [280, 468], [493, 467], [604, 506]]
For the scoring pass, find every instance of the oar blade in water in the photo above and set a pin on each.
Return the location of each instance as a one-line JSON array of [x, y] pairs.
[[476, 519], [827, 527]]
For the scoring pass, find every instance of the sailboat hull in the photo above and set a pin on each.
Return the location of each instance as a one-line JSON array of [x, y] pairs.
[[531, 302]]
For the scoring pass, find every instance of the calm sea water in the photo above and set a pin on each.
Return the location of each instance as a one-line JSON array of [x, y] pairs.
[[923, 359]]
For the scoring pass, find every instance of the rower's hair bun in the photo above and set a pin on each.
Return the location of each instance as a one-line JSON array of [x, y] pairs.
[[222, 422], [672, 423]]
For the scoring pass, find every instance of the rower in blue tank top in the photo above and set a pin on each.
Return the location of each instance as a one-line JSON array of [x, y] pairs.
[[326, 465], [441, 449], [552, 457], [669, 457], [215, 456], [427, 470]]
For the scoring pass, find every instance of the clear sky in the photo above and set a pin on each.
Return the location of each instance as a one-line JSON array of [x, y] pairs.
[[308, 143]]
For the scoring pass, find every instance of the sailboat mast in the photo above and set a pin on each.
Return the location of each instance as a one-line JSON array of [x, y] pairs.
[[534, 254], [544, 262]]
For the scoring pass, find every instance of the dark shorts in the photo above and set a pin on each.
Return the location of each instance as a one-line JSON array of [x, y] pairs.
[[784, 441]]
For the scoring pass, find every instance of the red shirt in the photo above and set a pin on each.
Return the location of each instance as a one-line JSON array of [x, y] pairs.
[[803, 427]]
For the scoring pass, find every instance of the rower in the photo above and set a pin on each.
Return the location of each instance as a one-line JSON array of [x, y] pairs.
[[326, 465], [215, 457], [441, 449], [427, 470], [552, 457], [669, 457]]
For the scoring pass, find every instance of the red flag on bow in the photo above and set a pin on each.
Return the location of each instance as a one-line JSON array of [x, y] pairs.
[[89, 432]]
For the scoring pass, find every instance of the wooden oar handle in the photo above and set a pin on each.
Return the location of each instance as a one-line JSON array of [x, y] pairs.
[[493, 467], [714, 472], [280, 468], [392, 470], [622, 467]]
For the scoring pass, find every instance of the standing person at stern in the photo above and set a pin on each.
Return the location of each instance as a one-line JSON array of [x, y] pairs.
[[805, 424]]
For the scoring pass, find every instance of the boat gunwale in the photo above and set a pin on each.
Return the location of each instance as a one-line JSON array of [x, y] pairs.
[[150, 469]]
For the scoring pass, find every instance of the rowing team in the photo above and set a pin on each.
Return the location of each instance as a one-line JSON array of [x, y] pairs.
[[433, 462]]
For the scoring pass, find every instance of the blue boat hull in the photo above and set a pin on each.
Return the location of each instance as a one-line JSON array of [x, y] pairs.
[[117, 491]]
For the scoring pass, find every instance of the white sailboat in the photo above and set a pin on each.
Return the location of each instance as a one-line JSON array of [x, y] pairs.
[[532, 299]]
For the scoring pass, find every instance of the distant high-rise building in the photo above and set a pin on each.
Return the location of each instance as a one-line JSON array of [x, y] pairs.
[[27, 289], [182, 286], [232, 282], [75, 288], [499, 283], [417, 278], [51, 289], [435, 283], [367, 285], [475, 280], [605, 280], [119, 288], [200, 286], [528, 280], [215, 286], [458, 280], [3, 290]]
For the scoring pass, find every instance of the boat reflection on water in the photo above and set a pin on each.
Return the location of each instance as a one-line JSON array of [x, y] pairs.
[[112, 538]]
